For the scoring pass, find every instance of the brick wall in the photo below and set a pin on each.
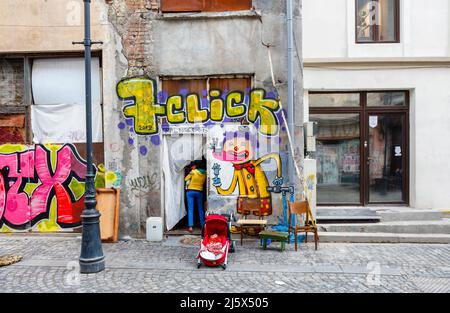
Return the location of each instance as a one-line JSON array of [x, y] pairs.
[[11, 82], [132, 20]]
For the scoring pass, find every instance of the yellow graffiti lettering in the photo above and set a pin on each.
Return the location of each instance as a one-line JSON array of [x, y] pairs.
[[174, 104], [144, 110], [235, 107], [194, 113], [264, 109], [216, 106]]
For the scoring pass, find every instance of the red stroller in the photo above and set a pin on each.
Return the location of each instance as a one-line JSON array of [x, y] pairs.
[[216, 241]]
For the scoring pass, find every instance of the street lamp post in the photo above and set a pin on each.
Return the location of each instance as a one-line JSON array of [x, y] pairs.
[[91, 258]]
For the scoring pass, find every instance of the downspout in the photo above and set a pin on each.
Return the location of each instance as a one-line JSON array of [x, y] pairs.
[[290, 86]]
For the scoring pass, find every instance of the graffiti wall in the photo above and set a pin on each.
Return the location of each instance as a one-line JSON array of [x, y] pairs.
[[243, 165], [147, 112], [41, 187], [243, 127]]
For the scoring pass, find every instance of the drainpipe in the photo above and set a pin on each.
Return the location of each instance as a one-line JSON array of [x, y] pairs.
[[290, 85]]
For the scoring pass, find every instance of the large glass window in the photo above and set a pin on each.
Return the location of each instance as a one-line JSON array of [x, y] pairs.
[[338, 158], [327, 100], [382, 99], [377, 21]]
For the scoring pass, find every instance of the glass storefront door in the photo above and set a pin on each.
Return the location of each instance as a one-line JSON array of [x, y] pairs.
[[362, 147], [386, 158]]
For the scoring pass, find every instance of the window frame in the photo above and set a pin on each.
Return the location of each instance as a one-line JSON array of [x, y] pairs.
[[203, 10], [28, 101], [397, 24], [207, 78], [162, 78], [364, 111]]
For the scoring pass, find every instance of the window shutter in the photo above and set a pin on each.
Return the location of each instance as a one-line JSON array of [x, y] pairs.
[[230, 84], [227, 5], [181, 5]]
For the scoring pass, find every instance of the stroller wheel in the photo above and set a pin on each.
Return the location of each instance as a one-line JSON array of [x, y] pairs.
[[224, 266], [233, 247]]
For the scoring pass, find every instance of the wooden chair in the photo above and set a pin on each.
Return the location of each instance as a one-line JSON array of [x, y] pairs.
[[244, 222], [300, 209]]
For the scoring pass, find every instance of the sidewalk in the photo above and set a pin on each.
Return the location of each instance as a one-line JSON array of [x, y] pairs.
[[50, 265]]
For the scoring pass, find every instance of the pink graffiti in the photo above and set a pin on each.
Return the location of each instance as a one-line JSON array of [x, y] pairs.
[[17, 209]]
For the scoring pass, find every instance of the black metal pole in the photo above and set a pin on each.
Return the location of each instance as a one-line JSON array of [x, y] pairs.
[[91, 259]]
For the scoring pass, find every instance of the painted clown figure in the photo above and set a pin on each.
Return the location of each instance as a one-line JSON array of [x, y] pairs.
[[248, 174]]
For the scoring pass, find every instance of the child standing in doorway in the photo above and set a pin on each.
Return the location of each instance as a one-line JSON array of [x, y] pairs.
[[194, 194]]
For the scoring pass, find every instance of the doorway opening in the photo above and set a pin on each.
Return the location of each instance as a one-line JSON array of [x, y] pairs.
[[183, 224], [180, 153], [362, 147]]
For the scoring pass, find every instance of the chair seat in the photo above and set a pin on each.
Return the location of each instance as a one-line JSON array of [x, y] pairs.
[[251, 222]]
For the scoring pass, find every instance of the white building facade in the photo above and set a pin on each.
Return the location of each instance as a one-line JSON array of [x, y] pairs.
[[377, 82]]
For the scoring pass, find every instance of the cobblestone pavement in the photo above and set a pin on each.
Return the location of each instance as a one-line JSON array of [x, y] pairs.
[[50, 265]]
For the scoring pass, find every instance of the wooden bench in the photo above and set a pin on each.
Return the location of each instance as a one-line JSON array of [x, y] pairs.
[[277, 236]]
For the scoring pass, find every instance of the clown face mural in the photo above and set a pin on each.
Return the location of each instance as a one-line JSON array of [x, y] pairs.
[[239, 148]]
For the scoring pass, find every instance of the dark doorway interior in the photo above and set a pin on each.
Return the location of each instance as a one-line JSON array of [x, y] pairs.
[[182, 226]]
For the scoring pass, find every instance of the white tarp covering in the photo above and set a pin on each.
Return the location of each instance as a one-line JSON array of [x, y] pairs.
[[61, 80], [178, 152], [64, 123], [58, 114]]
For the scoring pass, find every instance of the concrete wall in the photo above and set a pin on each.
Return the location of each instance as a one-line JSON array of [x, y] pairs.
[[140, 41], [429, 127], [419, 63], [47, 28], [44, 26], [329, 31], [157, 45]]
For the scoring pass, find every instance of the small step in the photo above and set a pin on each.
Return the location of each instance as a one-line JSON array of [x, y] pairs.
[[350, 237], [340, 215], [406, 227]]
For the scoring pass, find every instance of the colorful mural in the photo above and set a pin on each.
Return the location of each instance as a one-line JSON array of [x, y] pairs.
[[144, 107], [249, 177], [41, 187]]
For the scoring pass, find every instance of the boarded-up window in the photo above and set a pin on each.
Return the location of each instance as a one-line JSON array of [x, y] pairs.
[[12, 111], [12, 128], [230, 84], [59, 96], [202, 86], [11, 81], [184, 86], [204, 5]]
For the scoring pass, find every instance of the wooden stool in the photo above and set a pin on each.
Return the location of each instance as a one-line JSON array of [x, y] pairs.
[[274, 236]]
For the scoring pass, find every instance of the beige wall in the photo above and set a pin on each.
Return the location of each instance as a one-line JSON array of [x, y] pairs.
[[48, 25]]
